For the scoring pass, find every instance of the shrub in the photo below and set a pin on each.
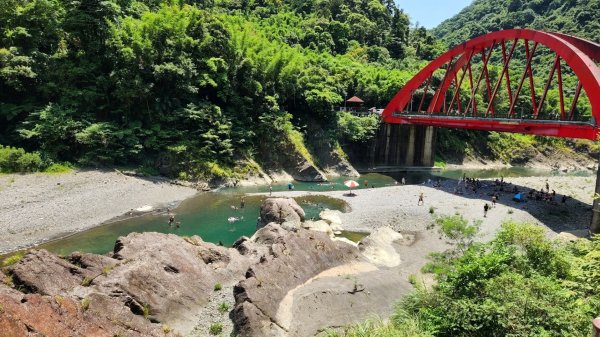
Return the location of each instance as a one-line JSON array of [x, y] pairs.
[[218, 286], [215, 328], [59, 168], [15, 160], [223, 307]]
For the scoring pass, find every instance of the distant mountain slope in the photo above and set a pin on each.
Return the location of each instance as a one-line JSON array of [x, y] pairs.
[[577, 17]]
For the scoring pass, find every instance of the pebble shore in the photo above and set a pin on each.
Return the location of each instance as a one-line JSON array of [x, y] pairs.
[[35, 208]]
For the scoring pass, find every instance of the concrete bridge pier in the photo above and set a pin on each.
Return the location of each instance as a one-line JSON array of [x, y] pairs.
[[595, 225]]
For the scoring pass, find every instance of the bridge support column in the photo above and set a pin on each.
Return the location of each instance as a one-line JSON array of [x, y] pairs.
[[595, 225], [410, 149], [428, 147], [388, 130]]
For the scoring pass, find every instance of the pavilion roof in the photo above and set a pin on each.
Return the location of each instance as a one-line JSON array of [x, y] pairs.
[[355, 99]]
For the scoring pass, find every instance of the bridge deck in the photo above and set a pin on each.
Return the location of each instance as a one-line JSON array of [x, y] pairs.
[[556, 128]]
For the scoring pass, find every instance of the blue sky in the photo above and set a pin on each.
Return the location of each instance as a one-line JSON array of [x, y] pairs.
[[430, 13]]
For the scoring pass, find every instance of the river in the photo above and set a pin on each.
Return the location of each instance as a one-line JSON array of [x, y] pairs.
[[207, 213]]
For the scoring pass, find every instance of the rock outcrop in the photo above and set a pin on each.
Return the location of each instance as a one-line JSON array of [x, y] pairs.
[[151, 280], [286, 282], [293, 259], [378, 247], [283, 211]]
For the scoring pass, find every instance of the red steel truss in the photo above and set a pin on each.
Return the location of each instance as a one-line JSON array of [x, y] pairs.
[[446, 110]]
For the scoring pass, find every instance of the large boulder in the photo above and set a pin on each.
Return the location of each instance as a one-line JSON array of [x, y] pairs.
[[378, 247], [283, 211], [24, 315], [45, 273], [169, 278], [333, 218], [293, 259], [318, 226]]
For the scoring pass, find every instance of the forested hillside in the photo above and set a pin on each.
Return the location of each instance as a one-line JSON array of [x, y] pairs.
[[200, 84], [482, 16]]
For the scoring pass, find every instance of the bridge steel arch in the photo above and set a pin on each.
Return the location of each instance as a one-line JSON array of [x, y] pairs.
[[578, 54]]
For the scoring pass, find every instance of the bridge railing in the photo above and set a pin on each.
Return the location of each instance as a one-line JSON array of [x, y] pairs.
[[498, 115]]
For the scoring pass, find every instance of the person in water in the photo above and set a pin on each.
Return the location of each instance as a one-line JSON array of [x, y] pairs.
[[243, 202], [171, 219]]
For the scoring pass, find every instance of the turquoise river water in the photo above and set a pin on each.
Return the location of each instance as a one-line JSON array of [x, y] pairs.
[[207, 214]]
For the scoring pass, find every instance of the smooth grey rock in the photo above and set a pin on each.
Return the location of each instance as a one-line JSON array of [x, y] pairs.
[[283, 211]]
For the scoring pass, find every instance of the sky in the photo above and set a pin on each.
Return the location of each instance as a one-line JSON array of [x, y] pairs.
[[430, 13]]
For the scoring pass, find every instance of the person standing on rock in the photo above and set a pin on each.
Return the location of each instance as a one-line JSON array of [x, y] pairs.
[[403, 181], [421, 201], [486, 207]]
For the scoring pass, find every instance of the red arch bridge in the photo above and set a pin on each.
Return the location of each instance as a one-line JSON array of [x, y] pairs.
[[489, 83]]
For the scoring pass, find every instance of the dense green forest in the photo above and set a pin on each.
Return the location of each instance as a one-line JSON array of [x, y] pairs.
[[482, 16], [201, 87], [202, 84]]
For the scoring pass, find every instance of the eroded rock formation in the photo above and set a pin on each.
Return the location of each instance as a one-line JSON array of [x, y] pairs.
[[285, 282]]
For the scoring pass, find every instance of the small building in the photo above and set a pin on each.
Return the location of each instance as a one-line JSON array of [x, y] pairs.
[[355, 106]]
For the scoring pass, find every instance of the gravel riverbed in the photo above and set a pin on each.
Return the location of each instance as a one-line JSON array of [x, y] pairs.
[[35, 208], [396, 206]]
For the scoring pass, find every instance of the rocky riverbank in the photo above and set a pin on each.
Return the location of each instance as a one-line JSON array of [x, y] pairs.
[[293, 282], [396, 206]]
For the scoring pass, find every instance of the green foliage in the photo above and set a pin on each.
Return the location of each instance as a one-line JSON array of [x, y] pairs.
[[12, 259], [519, 284], [215, 329], [457, 231], [85, 303], [223, 307], [218, 287], [357, 129], [193, 85], [58, 168], [571, 17], [17, 160]]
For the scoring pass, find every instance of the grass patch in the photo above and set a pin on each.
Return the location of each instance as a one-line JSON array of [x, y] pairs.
[[8, 280], [215, 329], [297, 139], [106, 270], [12, 259], [87, 281], [223, 307], [59, 168], [85, 304], [218, 286], [145, 310], [166, 328], [439, 162]]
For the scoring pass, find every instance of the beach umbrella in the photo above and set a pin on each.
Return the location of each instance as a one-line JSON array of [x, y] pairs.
[[351, 183]]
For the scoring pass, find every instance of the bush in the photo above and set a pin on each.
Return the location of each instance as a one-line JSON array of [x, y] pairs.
[[218, 286], [59, 168], [223, 307], [215, 328], [16, 160]]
